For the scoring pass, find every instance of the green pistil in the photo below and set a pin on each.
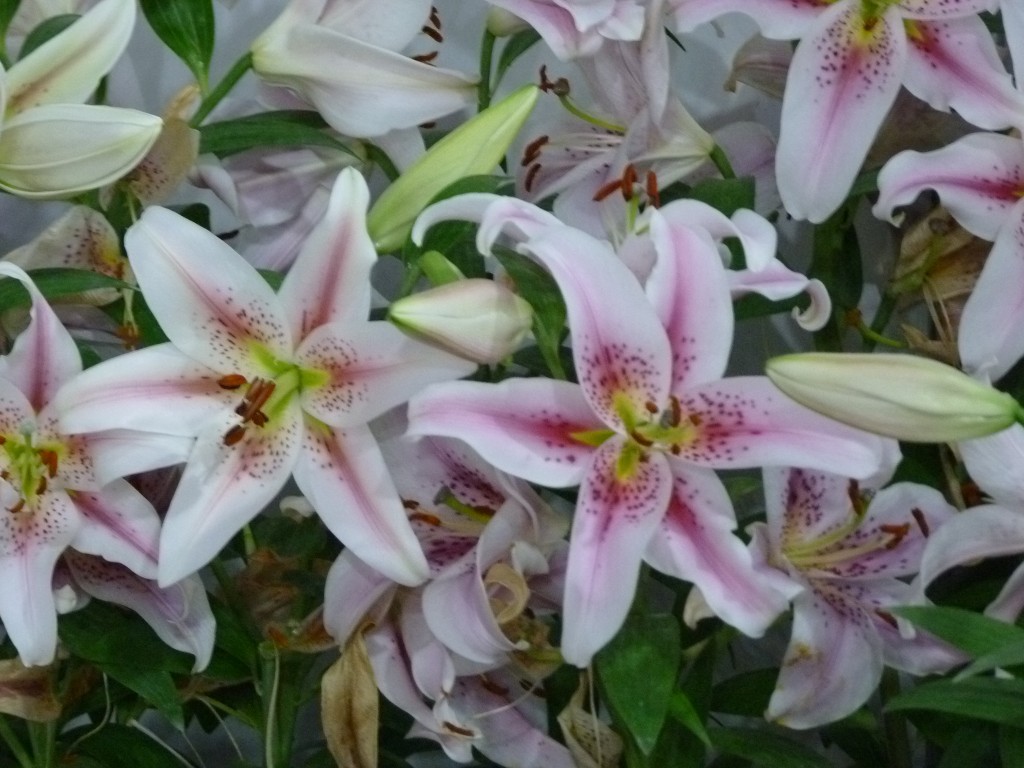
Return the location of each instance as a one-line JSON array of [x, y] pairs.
[[27, 467], [450, 500], [629, 460]]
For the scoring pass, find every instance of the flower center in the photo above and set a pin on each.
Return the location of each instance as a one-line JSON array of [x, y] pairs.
[[264, 398], [29, 467]]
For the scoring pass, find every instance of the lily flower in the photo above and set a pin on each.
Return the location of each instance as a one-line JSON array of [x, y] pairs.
[[343, 58], [50, 498], [267, 385], [847, 69], [40, 100], [843, 549], [643, 430]]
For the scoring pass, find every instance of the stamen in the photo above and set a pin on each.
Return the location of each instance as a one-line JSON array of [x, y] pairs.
[[425, 58], [628, 180], [637, 437], [41, 488], [533, 150], [607, 190], [559, 87], [898, 533], [458, 730], [234, 435], [433, 34], [651, 188], [49, 459], [887, 617], [423, 517], [651, 407], [18, 506], [530, 176], [435, 17], [410, 504], [231, 381], [922, 523], [497, 690]]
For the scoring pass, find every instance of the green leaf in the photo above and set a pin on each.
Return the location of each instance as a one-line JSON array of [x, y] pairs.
[[638, 670], [535, 285], [7, 10], [765, 748], [187, 28], [980, 698], [155, 686], [725, 195], [745, 694], [55, 283], [1007, 656], [680, 709], [971, 745], [288, 128], [517, 45], [972, 632], [46, 30], [118, 746], [1011, 747]]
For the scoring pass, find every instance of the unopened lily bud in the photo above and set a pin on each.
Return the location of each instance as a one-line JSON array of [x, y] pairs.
[[502, 23], [901, 396], [477, 319], [475, 147]]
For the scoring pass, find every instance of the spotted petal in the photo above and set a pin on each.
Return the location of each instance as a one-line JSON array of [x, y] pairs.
[[616, 516], [842, 82], [119, 524]]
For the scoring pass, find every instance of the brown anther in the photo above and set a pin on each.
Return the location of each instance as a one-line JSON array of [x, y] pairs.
[[898, 533], [922, 523], [49, 459], [675, 450], [651, 407], [628, 180], [433, 34], [259, 418], [256, 397], [971, 494], [530, 176], [129, 336], [435, 17], [497, 690], [231, 381], [410, 504], [234, 435], [2, 439], [458, 730], [18, 506], [637, 437], [559, 87], [606, 190], [887, 617], [425, 58], [676, 411], [533, 150], [651, 188], [423, 517], [41, 488], [853, 494]]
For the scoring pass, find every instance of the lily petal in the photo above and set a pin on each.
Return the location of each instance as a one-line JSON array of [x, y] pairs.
[[522, 426], [216, 320], [778, 19], [615, 520], [343, 475], [329, 281], [696, 543], [352, 589], [842, 82], [119, 524], [992, 462]]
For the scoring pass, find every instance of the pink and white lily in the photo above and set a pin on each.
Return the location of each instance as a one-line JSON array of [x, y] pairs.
[[644, 429], [839, 551], [852, 59], [269, 386], [50, 498]]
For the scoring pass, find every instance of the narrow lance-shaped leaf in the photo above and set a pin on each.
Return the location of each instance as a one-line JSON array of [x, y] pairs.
[[187, 28]]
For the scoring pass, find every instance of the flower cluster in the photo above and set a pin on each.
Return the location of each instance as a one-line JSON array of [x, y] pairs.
[[367, 375]]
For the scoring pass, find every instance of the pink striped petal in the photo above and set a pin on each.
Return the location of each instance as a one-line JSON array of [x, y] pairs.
[[745, 422], [778, 19], [16, 412], [179, 614], [842, 82], [690, 293], [217, 319], [615, 520], [521, 426], [696, 543], [372, 367], [119, 524], [120, 452], [30, 543], [156, 389], [330, 279], [223, 487], [978, 178], [343, 475], [990, 340], [352, 590], [803, 505], [954, 65], [44, 355], [833, 662], [621, 351]]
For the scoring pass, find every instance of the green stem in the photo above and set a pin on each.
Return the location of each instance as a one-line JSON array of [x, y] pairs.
[[896, 737], [380, 158], [44, 743], [270, 661], [721, 161], [483, 89], [238, 69], [882, 316], [589, 118], [13, 743]]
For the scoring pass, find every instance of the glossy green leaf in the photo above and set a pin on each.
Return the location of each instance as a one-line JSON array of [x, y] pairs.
[[745, 694], [155, 686], [1011, 746], [972, 632], [638, 671], [535, 285], [971, 745], [47, 29], [766, 748], [288, 128], [54, 284], [980, 698], [1007, 656], [187, 28], [682, 710], [725, 195]]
